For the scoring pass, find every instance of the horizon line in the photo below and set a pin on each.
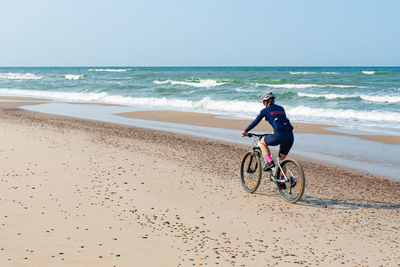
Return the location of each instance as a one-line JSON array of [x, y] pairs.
[[204, 66]]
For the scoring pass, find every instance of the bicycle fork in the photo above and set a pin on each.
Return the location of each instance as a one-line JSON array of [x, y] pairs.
[[249, 170], [273, 173]]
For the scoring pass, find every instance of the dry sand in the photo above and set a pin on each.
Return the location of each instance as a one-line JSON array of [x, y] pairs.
[[84, 193]]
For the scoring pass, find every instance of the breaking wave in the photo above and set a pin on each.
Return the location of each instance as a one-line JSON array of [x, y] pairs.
[[239, 90], [310, 72], [74, 76], [326, 96], [306, 86], [192, 82], [347, 114], [368, 98], [301, 72], [368, 72], [381, 99], [19, 76], [110, 70]]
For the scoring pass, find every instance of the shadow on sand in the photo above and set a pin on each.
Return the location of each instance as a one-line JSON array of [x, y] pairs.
[[349, 204], [341, 204]]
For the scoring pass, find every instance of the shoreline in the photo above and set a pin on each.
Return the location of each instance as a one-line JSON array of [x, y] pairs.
[[313, 141], [13, 107], [212, 120], [208, 120]]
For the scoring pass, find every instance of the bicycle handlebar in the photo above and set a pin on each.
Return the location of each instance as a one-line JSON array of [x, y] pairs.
[[256, 135]]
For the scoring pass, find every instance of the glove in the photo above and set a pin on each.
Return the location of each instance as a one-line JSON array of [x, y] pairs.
[[245, 133]]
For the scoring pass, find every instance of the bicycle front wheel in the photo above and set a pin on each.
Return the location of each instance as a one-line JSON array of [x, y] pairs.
[[250, 171], [293, 189]]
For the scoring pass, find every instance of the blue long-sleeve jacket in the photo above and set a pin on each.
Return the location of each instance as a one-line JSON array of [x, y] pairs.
[[276, 116]]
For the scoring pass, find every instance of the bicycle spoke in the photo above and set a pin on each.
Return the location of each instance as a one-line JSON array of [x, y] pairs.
[[293, 189], [250, 171]]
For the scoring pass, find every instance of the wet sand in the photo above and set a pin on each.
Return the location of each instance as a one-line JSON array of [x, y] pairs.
[[92, 103], [86, 193], [212, 120], [23, 98]]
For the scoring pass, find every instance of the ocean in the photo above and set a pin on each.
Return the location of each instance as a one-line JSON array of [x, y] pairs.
[[359, 98]]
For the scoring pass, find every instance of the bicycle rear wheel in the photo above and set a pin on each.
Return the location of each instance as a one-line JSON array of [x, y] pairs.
[[250, 171], [293, 189]]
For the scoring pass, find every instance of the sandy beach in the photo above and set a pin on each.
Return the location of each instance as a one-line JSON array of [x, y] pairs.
[[121, 133], [86, 193]]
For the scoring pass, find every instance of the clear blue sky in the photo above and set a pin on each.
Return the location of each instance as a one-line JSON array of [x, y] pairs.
[[199, 33]]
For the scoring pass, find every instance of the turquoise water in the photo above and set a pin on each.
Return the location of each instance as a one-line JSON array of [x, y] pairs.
[[353, 97]]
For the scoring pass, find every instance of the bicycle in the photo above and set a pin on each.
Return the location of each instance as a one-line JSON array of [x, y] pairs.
[[288, 174]]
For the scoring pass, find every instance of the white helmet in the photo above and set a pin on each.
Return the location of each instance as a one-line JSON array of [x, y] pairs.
[[266, 96]]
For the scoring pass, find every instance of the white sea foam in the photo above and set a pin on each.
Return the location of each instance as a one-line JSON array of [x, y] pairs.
[[110, 70], [289, 85], [344, 114], [381, 99], [161, 82], [74, 76], [65, 96], [229, 106], [310, 72], [103, 97], [368, 72], [306, 86], [239, 90], [19, 76], [201, 83], [301, 72], [369, 98], [326, 96]]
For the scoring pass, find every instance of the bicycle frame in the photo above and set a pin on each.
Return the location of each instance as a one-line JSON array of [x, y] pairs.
[[273, 172], [278, 161]]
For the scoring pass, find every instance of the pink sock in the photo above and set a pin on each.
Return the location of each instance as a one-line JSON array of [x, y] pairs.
[[268, 157]]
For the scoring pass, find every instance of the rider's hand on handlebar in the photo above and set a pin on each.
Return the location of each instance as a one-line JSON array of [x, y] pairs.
[[244, 133]]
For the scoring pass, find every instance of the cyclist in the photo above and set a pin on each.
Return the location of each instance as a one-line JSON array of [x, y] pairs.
[[283, 130]]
